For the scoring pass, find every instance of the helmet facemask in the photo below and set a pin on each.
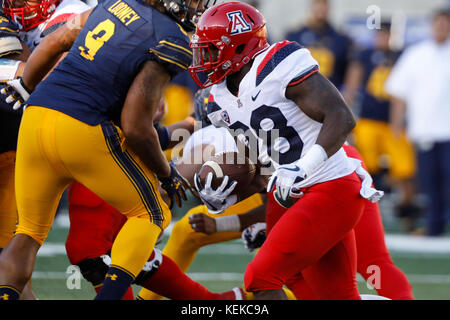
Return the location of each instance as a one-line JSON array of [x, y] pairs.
[[208, 65], [29, 15]]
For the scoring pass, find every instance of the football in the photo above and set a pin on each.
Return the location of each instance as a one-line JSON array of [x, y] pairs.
[[236, 167]]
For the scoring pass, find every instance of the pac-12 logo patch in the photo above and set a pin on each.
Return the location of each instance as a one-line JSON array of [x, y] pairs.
[[225, 116], [238, 23]]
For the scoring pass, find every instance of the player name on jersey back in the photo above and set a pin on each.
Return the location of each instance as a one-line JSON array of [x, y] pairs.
[[123, 12]]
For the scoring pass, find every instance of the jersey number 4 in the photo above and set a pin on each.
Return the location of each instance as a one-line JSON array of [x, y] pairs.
[[96, 38]]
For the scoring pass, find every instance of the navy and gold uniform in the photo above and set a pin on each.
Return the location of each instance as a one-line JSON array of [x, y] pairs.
[[373, 136], [9, 128], [92, 82], [330, 48], [9, 37], [67, 132]]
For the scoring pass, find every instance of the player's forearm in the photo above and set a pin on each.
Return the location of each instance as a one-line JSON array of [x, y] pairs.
[[146, 145], [39, 64], [255, 215], [336, 127], [48, 52]]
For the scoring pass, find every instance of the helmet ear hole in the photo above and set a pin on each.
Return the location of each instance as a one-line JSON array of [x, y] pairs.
[[240, 48]]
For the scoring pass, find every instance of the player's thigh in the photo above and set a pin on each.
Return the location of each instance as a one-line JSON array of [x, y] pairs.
[[101, 161], [334, 275], [94, 224], [310, 228], [40, 177], [8, 209], [274, 211]]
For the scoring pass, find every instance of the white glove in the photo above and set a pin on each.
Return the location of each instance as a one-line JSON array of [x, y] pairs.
[[16, 92], [216, 200], [288, 175], [284, 178], [254, 236]]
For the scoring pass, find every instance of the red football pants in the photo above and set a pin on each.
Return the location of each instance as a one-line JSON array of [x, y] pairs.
[[313, 238], [374, 261], [94, 224], [372, 254]]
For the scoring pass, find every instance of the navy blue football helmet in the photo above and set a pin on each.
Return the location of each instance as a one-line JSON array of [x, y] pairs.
[[185, 12]]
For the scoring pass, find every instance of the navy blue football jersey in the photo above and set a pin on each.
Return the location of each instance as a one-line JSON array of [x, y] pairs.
[[9, 36], [376, 65], [92, 82]]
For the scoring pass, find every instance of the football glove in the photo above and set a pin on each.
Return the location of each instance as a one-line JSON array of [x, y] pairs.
[[254, 236], [174, 186], [215, 200], [16, 93], [284, 178]]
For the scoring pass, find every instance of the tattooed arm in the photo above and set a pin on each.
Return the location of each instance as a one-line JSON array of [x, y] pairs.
[[322, 102], [140, 105], [49, 51]]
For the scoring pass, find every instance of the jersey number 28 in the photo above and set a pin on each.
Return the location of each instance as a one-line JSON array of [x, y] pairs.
[[286, 146]]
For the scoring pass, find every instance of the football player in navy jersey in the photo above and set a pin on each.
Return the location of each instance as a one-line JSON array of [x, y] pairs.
[[329, 47], [91, 116]]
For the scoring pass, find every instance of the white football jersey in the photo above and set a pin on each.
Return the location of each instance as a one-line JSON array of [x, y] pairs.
[[284, 133], [220, 138], [65, 11]]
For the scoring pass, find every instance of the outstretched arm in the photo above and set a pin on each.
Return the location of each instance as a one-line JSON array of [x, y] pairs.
[[48, 52], [140, 105]]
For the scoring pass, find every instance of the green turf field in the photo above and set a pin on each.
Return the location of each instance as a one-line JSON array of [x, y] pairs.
[[220, 267]]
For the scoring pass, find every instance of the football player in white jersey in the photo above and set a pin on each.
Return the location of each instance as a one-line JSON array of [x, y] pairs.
[[38, 18], [279, 105]]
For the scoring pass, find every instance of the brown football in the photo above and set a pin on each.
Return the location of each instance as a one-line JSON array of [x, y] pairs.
[[236, 167]]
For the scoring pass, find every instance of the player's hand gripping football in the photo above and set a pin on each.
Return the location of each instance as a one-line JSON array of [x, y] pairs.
[[254, 236], [215, 200], [284, 178], [16, 93], [174, 186]]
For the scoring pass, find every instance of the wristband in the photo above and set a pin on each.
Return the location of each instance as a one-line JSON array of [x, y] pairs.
[[313, 159], [228, 224]]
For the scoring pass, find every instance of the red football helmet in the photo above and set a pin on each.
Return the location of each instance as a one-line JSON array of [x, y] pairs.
[[228, 36], [29, 14]]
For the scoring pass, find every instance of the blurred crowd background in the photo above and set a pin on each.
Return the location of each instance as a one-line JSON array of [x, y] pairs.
[[391, 62]]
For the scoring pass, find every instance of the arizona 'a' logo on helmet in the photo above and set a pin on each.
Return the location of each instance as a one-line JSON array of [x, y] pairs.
[[238, 23], [228, 36]]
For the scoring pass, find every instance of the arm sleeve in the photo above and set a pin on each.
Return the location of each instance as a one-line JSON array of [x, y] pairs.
[[173, 53], [298, 66]]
